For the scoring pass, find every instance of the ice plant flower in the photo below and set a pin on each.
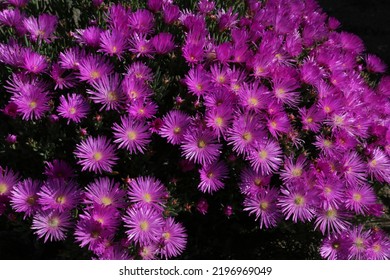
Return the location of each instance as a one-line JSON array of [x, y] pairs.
[[73, 107], [104, 192], [52, 225], [132, 135], [212, 176], [8, 179], [144, 225], [24, 197], [147, 192], [96, 154], [174, 238], [175, 124]]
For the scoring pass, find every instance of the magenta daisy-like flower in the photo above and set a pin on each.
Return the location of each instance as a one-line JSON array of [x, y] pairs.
[[378, 246], [252, 182], [70, 58], [59, 195], [144, 225], [175, 124], [359, 198], [174, 239], [147, 192], [219, 119], [140, 71], [198, 81], [89, 36], [149, 251], [353, 169], [331, 191], [132, 135], [135, 89], [284, 91], [264, 206], [107, 91], [141, 21], [266, 157], [200, 146], [107, 217], [379, 165], [58, 169], [297, 202], [253, 96], [244, 133], [105, 192], [34, 63], [90, 232], [8, 179], [163, 43], [32, 103], [311, 118], [73, 107], [142, 109], [332, 220], [358, 241], [51, 225], [212, 176], [293, 170], [41, 28], [140, 45], [24, 197], [278, 124], [112, 42], [96, 154], [334, 247], [62, 78], [93, 67]]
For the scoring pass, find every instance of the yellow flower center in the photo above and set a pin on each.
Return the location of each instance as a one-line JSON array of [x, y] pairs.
[[106, 201], [54, 222], [338, 120], [144, 226], [299, 200], [357, 197], [253, 101], [201, 144], [336, 245], [331, 213], [264, 205], [176, 130], [263, 154], [166, 235], [33, 105], [218, 121], [114, 49], [359, 242], [327, 109], [199, 87], [309, 120], [259, 70], [72, 110], [327, 143], [376, 247], [280, 91], [3, 188], [133, 94], [373, 163], [210, 175], [97, 156], [221, 79], [296, 172], [257, 181], [147, 197], [112, 96], [132, 135], [61, 199], [236, 87], [247, 136], [327, 190], [95, 74]]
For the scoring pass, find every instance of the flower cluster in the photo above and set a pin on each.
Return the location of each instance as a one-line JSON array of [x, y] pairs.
[[271, 103]]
